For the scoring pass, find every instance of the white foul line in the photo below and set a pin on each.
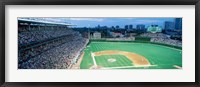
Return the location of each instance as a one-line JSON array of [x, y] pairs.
[[95, 64]]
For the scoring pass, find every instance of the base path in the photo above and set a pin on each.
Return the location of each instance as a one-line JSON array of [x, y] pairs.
[[137, 60], [94, 61]]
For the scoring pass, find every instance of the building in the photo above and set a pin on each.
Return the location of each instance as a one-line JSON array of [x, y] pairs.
[[130, 26], [96, 35], [132, 34], [154, 29], [98, 26], [117, 34], [178, 23], [112, 27], [117, 27], [126, 26], [140, 26], [168, 25]]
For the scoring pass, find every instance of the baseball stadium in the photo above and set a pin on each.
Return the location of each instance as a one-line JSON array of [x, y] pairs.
[[46, 45]]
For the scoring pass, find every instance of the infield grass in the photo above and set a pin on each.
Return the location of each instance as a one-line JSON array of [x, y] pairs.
[[120, 61]]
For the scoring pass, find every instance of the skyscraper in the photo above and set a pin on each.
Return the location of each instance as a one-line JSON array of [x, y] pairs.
[[178, 23], [130, 26], [126, 26], [168, 25], [140, 26], [112, 27], [117, 27], [98, 26]]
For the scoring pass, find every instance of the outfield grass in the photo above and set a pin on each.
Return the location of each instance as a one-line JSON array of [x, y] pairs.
[[162, 56]]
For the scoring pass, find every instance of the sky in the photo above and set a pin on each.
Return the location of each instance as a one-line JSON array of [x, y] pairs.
[[93, 22]]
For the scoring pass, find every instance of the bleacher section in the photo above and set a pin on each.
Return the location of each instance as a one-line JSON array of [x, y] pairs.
[[161, 38], [47, 46]]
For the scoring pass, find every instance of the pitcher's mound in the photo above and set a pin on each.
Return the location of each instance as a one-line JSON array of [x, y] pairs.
[[111, 60]]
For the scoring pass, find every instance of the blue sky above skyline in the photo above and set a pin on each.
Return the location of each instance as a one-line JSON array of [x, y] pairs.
[[92, 22]]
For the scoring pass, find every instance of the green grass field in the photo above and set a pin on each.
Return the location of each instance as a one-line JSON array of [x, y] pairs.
[[161, 57]]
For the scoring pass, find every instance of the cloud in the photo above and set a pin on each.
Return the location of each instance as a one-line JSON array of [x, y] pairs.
[[87, 19], [146, 21]]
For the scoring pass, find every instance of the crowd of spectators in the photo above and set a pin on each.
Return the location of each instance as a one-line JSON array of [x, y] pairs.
[[54, 51], [162, 38], [154, 35], [167, 41], [122, 39], [39, 35]]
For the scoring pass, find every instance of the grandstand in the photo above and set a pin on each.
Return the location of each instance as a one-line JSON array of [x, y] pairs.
[[47, 45], [161, 38]]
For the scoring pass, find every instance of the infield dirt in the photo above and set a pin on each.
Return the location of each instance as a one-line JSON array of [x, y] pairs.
[[137, 60]]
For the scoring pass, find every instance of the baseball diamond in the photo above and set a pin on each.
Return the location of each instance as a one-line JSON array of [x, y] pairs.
[[126, 55]]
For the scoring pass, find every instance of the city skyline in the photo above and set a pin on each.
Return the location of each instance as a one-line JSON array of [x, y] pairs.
[[121, 22]]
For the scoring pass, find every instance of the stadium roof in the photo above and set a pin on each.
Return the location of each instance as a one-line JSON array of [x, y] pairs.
[[43, 22]]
